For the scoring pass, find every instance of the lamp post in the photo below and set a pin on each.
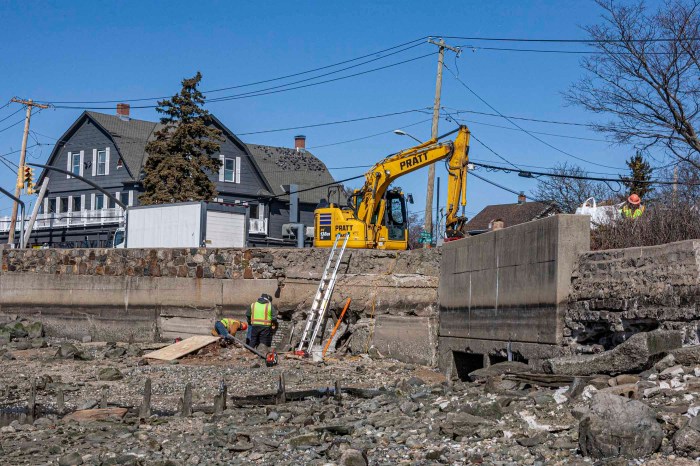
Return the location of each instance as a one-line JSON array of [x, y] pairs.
[[401, 132]]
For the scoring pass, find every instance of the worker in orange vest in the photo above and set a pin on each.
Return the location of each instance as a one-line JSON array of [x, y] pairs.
[[262, 317], [227, 328], [633, 208]]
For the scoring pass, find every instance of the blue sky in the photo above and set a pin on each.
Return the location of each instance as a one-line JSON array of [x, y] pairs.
[[93, 50]]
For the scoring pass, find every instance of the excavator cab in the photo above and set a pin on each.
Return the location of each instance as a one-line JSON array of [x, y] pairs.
[[396, 218]]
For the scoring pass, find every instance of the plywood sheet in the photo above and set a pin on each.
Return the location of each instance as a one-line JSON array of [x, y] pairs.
[[182, 348]]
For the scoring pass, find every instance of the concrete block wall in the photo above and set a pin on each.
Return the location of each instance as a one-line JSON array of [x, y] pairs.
[[619, 292], [508, 289]]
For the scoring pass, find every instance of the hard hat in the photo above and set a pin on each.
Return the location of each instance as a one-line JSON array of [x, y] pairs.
[[266, 297], [243, 326], [634, 199]]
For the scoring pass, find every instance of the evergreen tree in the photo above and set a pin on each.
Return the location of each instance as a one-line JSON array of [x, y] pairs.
[[640, 173], [180, 157]]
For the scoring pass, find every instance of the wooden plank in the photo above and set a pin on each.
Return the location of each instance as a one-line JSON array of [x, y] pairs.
[[95, 414], [182, 348]]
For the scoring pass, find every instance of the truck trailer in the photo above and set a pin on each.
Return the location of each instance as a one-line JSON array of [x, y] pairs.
[[185, 225]]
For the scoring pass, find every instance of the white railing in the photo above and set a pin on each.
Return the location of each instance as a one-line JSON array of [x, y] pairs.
[[68, 219], [257, 226]]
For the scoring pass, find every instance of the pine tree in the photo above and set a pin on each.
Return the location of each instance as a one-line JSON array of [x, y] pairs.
[[180, 157], [640, 174]]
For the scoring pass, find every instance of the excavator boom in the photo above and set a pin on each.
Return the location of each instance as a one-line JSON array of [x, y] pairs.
[[377, 216]]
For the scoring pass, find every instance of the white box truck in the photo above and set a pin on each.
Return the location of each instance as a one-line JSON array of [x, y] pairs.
[[186, 225]]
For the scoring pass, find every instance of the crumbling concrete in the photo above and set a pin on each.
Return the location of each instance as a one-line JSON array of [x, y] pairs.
[[634, 355]]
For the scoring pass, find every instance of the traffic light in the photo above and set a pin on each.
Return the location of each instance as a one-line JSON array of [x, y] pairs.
[[29, 179]]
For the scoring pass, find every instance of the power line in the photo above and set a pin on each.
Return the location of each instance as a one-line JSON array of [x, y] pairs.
[[279, 78], [533, 132], [315, 125], [319, 186], [523, 129], [12, 114], [569, 123], [502, 187], [361, 138], [12, 125], [567, 41]]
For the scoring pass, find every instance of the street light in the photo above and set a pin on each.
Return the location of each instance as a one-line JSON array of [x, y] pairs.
[[404, 133]]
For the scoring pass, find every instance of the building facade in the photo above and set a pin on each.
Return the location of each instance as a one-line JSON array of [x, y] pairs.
[[110, 151]]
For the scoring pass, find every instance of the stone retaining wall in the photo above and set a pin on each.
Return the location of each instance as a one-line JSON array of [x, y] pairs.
[[619, 292]]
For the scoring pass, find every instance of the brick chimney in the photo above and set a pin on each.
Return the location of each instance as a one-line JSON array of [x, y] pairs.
[[521, 198], [300, 142], [123, 111]]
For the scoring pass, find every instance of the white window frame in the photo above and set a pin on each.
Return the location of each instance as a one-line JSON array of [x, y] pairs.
[[232, 171], [107, 161], [70, 204], [97, 162], [58, 205], [131, 198]]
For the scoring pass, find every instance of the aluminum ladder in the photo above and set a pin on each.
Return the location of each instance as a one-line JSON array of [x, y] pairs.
[[323, 294]]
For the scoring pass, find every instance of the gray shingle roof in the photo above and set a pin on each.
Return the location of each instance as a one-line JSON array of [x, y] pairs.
[[130, 137], [283, 166], [511, 214]]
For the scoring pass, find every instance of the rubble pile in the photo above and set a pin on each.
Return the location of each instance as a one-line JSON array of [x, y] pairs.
[[386, 412]]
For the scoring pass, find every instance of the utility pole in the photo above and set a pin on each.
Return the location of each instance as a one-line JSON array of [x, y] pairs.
[[20, 170], [428, 225]]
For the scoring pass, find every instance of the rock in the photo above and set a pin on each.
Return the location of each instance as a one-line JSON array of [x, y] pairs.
[[462, 424], [5, 335], [616, 426], [624, 379], [114, 353], [22, 345], [687, 442], [506, 367], [688, 356], [305, 440], [86, 339], [374, 353], [628, 390], [109, 373], [71, 459], [134, 351], [69, 351], [670, 372], [16, 329], [409, 407], [35, 330], [695, 422], [536, 439], [39, 343], [666, 362], [352, 457], [88, 404], [634, 355], [6, 355]]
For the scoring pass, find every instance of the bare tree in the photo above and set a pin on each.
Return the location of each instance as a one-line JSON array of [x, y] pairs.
[[646, 76], [569, 193]]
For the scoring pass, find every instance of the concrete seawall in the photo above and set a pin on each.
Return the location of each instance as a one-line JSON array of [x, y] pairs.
[[507, 290], [143, 295]]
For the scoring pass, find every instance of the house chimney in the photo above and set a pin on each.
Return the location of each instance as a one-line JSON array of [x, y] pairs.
[[300, 142], [521, 198], [123, 111]]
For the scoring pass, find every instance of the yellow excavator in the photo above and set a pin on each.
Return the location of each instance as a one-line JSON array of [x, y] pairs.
[[376, 217]]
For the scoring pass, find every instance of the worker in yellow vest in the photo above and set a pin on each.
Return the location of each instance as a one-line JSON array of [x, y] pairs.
[[227, 328], [262, 318], [633, 208]]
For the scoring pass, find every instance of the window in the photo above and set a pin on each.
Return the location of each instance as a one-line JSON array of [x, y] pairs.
[[75, 163], [230, 170], [254, 211], [64, 205], [111, 204], [102, 162], [77, 205], [124, 197], [52, 206], [99, 202]]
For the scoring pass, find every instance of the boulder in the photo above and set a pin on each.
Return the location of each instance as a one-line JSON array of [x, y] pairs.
[[616, 426], [109, 373], [71, 459], [115, 352], [352, 457], [688, 356], [635, 355], [17, 329], [70, 351], [34, 330], [5, 335], [686, 442]]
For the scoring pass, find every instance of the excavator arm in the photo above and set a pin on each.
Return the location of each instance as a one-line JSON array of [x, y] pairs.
[[379, 178]]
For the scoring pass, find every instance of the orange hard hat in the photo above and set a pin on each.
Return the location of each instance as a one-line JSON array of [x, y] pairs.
[[634, 199], [244, 326]]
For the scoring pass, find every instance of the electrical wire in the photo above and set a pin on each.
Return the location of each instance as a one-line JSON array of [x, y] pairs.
[[12, 125], [316, 125], [501, 186], [368, 136], [568, 123], [533, 132], [279, 78], [319, 186], [526, 131], [565, 41], [12, 114]]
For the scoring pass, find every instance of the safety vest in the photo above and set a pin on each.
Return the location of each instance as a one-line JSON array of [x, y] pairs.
[[629, 213], [260, 314], [229, 324]]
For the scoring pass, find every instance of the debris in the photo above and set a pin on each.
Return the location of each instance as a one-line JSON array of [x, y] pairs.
[[506, 367], [88, 415], [109, 374], [634, 355], [182, 348], [687, 442]]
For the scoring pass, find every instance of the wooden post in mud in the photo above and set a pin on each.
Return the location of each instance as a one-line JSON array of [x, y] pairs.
[[186, 401], [145, 411], [103, 397], [220, 399], [281, 396], [60, 400], [31, 403]]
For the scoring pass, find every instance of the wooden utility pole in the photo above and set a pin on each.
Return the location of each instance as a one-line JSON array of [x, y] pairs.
[[428, 225], [20, 170]]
